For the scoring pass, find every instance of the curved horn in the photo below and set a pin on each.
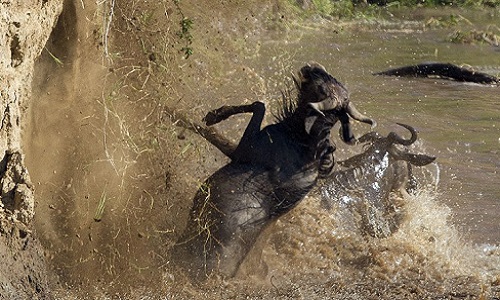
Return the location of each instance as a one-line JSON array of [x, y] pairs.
[[318, 107], [325, 105], [345, 130], [395, 138], [356, 115]]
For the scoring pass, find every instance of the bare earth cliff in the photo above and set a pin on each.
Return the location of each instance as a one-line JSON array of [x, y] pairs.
[[25, 26], [89, 118]]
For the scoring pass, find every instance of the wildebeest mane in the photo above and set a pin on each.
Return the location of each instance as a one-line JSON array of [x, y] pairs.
[[287, 105], [289, 102]]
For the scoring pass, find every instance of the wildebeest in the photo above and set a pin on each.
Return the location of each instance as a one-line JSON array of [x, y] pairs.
[[371, 176], [443, 70], [271, 170]]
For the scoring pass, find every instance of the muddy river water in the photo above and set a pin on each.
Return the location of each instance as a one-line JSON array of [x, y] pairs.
[[457, 122], [449, 240]]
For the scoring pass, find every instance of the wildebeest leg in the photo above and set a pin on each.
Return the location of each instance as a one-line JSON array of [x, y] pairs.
[[327, 160], [210, 134], [346, 131], [220, 114], [412, 185], [246, 142], [414, 159]]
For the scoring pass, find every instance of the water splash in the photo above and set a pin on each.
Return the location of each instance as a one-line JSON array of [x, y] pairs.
[[316, 253]]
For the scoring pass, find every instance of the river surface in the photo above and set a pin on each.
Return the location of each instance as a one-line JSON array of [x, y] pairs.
[[447, 245], [457, 122]]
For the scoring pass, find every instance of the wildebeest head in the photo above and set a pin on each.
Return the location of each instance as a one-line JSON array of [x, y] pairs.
[[327, 97]]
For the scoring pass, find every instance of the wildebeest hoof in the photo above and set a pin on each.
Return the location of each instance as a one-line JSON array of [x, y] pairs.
[[224, 112], [217, 115]]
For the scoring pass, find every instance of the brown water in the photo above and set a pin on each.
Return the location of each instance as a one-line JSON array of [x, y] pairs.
[[447, 246], [459, 123]]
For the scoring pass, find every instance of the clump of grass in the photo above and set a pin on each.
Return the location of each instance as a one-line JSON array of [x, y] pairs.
[[185, 32], [433, 3], [448, 21], [475, 36], [351, 9], [369, 8]]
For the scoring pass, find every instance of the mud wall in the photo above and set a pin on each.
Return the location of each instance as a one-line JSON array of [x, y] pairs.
[[25, 27]]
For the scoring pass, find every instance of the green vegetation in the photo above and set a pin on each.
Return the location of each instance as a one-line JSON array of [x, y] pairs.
[[476, 36], [343, 8], [185, 32], [431, 3], [367, 8], [441, 2], [448, 21]]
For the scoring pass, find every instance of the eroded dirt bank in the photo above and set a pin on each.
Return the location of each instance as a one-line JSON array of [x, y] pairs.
[[25, 27]]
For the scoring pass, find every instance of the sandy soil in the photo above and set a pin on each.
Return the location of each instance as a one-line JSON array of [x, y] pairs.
[[25, 27]]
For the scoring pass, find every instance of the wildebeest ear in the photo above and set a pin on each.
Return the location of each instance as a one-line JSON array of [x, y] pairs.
[[309, 122]]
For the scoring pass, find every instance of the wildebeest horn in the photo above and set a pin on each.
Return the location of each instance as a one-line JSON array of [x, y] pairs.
[[356, 115], [395, 138], [319, 107]]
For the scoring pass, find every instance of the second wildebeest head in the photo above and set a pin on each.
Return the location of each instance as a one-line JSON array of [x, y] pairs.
[[271, 171], [368, 180]]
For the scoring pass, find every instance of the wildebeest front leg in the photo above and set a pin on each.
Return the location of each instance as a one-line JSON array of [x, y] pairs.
[[246, 147], [327, 161], [414, 159], [220, 114]]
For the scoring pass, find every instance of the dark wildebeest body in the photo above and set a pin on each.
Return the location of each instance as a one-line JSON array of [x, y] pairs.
[[271, 170], [371, 176], [444, 70]]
